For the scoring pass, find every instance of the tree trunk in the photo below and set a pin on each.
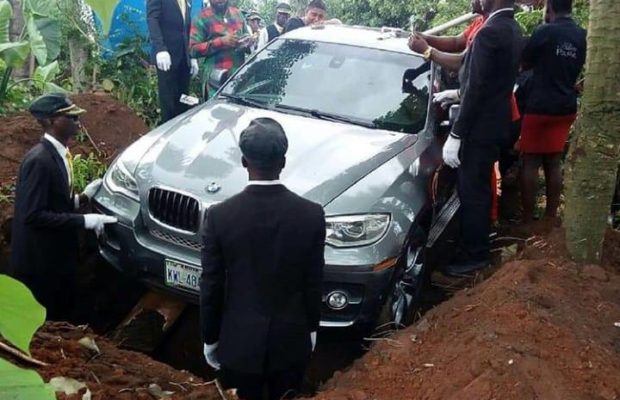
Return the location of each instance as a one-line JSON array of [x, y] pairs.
[[78, 53], [593, 158], [15, 30]]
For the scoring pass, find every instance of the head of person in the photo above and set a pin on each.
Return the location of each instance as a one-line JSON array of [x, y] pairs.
[[283, 13], [263, 147], [254, 21], [557, 8], [488, 6], [57, 115], [220, 6], [315, 12], [476, 7]]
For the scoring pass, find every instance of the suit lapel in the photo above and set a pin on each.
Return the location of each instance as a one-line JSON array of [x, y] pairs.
[[59, 163]]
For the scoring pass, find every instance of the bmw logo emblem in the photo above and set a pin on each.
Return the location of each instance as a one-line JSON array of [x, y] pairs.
[[213, 188]]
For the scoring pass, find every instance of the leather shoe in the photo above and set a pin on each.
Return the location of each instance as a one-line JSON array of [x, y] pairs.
[[465, 268]]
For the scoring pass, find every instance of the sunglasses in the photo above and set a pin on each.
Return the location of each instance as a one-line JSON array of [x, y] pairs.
[[73, 117]]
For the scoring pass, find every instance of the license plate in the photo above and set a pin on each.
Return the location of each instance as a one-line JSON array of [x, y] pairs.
[[182, 275]]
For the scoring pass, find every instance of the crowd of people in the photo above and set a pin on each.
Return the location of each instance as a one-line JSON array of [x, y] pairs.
[[220, 37], [489, 55], [261, 282]]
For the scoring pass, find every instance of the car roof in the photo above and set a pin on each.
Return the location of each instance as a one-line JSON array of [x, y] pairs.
[[360, 36]]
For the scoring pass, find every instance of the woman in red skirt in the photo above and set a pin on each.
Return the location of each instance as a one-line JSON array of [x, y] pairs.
[[556, 51]]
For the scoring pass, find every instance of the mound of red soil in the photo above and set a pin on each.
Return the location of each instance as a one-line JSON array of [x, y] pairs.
[[537, 329], [112, 373], [111, 124]]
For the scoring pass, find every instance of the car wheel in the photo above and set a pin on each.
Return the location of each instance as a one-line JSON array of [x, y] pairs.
[[404, 299]]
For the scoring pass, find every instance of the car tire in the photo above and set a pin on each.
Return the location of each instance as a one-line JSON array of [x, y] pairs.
[[404, 299]]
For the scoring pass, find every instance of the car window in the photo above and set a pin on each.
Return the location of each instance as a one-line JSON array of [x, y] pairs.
[[387, 89]]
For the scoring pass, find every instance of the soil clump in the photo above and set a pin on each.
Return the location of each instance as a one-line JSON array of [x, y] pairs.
[[111, 373]]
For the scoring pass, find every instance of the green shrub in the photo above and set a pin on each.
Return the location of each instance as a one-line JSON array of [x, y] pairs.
[[85, 170]]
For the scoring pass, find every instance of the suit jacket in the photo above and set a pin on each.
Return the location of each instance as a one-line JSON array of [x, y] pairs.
[[167, 29], [487, 77], [44, 238], [260, 291]]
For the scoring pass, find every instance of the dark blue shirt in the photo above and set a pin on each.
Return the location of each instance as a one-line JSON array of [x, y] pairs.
[[294, 23], [556, 52]]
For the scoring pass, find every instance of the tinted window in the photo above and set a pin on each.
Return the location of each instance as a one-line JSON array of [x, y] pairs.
[[386, 88]]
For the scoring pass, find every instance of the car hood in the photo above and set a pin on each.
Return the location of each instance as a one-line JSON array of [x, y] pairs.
[[324, 158]]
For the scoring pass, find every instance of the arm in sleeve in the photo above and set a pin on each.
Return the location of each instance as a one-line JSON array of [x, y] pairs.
[[534, 48], [35, 182], [212, 283], [263, 39], [474, 89], [314, 274], [200, 42], [153, 15]]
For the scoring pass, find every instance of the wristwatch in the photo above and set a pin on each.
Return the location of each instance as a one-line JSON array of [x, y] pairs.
[[427, 53]]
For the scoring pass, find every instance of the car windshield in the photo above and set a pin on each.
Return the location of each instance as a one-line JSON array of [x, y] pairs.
[[357, 85]]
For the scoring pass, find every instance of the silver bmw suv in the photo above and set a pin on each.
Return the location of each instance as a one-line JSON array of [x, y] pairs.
[[363, 142]]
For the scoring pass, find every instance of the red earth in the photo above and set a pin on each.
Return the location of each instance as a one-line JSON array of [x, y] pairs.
[[541, 327], [111, 373]]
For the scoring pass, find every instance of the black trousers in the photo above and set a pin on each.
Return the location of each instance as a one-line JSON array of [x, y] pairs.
[[474, 186], [55, 292], [279, 385], [171, 85]]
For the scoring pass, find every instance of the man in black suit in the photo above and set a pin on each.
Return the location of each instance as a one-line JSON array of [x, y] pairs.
[[169, 22], [260, 290], [267, 34], [486, 79], [44, 238]]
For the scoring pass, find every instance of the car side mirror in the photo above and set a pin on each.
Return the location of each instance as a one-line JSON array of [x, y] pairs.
[[446, 125], [217, 77]]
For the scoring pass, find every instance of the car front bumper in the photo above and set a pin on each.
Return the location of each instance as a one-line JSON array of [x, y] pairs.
[[138, 255]]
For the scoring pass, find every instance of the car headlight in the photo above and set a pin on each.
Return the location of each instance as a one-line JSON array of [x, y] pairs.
[[119, 180], [356, 230]]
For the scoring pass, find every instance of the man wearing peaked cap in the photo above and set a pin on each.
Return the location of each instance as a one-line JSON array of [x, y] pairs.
[[267, 34], [262, 271], [263, 142], [44, 240]]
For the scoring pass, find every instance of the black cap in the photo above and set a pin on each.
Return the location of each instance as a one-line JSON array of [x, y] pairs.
[[54, 105], [263, 143], [284, 8]]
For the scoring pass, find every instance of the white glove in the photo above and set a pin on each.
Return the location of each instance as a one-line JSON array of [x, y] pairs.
[[194, 67], [163, 60], [96, 222], [446, 97], [451, 152], [313, 339], [92, 188], [209, 352]]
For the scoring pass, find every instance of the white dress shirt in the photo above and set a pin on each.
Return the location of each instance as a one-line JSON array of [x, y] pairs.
[[265, 183], [62, 151], [263, 37]]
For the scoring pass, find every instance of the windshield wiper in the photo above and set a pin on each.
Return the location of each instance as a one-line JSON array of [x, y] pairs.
[[245, 101], [328, 116]]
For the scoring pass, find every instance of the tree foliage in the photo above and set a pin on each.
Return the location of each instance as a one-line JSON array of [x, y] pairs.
[[422, 14]]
